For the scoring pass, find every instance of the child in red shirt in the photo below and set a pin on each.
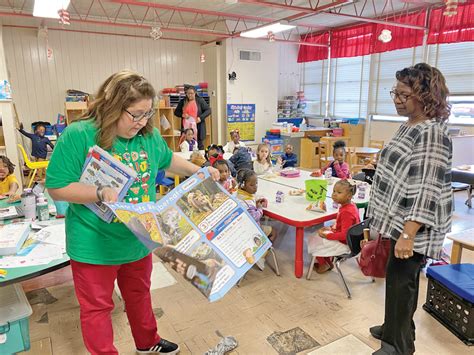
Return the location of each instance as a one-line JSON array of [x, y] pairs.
[[331, 241], [340, 168]]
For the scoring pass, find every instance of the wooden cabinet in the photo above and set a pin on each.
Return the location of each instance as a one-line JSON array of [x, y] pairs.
[[171, 131], [355, 134], [74, 110], [309, 154]]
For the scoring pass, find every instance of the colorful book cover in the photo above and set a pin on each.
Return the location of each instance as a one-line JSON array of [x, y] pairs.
[[204, 233], [101, 169]]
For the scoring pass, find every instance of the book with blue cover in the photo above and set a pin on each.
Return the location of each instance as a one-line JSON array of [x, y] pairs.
[[101, 169]]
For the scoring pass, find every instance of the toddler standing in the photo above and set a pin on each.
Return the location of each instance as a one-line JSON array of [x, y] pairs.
[[340, 168], [331, 241], [39, 144]]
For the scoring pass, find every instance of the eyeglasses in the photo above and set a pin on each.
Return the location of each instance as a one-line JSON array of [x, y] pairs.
[[137, 118], [403, 97]]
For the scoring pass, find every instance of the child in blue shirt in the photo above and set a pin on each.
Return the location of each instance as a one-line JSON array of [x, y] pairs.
[[289, 159], [39, 143]]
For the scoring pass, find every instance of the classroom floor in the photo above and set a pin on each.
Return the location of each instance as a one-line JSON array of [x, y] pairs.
[[316, 314]]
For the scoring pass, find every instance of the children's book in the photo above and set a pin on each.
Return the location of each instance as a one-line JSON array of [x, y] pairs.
[[204, 233], [12, 237], [101, 169]]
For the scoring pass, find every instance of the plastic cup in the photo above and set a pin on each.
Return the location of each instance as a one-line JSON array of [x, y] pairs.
[[61, 208]]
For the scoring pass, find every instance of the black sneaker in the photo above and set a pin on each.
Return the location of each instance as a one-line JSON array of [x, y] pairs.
[[163, 347]]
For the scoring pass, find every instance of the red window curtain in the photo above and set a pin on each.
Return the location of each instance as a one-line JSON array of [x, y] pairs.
[[401, 37], [352, 42], [312, 53], [451, 29]]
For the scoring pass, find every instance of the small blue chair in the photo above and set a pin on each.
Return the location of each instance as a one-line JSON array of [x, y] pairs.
[[164, 182]]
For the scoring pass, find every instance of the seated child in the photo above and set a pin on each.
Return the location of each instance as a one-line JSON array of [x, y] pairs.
[[8, 182], [241, 159], [214, 152], [226, 179], [263, 164], [331, 241], [234, 142], [247, 188], [289, 159], [340, 168], [39, 143], [189, 144]]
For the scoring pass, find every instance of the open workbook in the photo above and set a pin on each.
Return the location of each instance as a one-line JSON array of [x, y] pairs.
[[204, 233]]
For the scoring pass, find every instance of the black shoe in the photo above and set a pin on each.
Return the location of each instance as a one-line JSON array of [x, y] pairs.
[[376, 331], [163, 347]]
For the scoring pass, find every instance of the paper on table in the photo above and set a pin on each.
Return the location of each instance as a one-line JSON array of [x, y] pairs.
[[40, 255], [55, 235]]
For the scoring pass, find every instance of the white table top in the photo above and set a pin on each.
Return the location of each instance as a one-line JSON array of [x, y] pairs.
[[294, 207]]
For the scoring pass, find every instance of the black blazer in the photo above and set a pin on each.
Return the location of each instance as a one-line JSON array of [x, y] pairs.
[[203, 112]]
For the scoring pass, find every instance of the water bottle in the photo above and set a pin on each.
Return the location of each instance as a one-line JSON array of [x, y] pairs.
[[28, 203], [328, 173], [42, 208]]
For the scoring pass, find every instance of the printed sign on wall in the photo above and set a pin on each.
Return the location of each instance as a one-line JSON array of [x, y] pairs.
[[241, 117]]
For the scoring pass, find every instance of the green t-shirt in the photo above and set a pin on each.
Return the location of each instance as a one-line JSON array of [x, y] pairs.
[[88, 238]]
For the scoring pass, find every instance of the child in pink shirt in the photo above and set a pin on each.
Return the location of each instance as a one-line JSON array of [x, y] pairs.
[[340, 168]]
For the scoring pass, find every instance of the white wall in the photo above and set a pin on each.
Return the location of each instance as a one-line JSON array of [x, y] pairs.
[[289, 70], [257, 82], [83, 61]]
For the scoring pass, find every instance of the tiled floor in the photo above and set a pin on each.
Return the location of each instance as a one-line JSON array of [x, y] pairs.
[[263, 306]]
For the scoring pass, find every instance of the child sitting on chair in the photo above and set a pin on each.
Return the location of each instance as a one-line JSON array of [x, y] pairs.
[[39, 144], [247, 188], [263, 164], [331, 241], [289, 159], [189, 144], [234, 142], [226, 179], [8, 182], [339, 167]]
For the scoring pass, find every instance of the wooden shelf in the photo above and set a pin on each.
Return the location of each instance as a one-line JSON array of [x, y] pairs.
[[73, 110]]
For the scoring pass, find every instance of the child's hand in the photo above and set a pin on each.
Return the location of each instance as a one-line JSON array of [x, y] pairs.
[[185, 115], [198, 119], [323, 231], [2, 197], [262, 203]]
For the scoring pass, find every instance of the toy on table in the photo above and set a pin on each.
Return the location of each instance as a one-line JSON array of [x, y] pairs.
[[319, 206], [290, 172], [296, 192], [316, 173], [280, 197]]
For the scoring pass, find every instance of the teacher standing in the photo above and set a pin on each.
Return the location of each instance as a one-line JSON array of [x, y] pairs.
[[411, 198], [200, 106], [120, 121]]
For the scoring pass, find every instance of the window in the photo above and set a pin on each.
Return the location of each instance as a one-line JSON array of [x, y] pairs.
[[314, 86], [462, 109]]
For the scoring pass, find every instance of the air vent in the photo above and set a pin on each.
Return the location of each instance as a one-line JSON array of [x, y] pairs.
[[250, 55]]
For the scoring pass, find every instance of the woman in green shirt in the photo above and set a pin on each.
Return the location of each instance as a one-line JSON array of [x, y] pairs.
[[120, 121]]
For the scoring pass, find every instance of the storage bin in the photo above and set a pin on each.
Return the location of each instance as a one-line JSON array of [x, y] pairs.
[[450, 298], [337, 132], [14, 323]]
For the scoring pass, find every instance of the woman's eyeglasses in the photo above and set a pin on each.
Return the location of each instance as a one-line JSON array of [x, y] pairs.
[[145, 116], [403, 97]]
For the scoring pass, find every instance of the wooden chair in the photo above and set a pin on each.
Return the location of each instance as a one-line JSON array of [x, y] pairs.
[[351, 159], [324, 151], [33, 166], [376, 144]]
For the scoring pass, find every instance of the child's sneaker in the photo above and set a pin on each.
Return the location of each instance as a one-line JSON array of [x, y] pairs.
[[163, 347]]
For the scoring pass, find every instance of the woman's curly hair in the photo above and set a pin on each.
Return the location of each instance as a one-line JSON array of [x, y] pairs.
[[429, 87]]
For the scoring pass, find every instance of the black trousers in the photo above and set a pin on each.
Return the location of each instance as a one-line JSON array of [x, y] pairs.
[[401, 298]]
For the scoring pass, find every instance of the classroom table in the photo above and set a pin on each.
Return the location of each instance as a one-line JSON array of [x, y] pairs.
[[461, 240], [19, 274], [293, 210]]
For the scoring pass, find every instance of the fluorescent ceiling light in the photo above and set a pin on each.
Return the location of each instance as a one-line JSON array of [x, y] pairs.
[[49, 8], [263, 31]]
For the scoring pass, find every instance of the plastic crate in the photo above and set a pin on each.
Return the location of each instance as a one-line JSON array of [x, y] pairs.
[[14, 324], [451, 310]]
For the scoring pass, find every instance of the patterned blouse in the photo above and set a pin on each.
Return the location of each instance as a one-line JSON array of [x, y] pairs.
[[413, 183]]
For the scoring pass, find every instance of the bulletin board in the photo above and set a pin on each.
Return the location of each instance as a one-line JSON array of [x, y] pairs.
[[241, 117]]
